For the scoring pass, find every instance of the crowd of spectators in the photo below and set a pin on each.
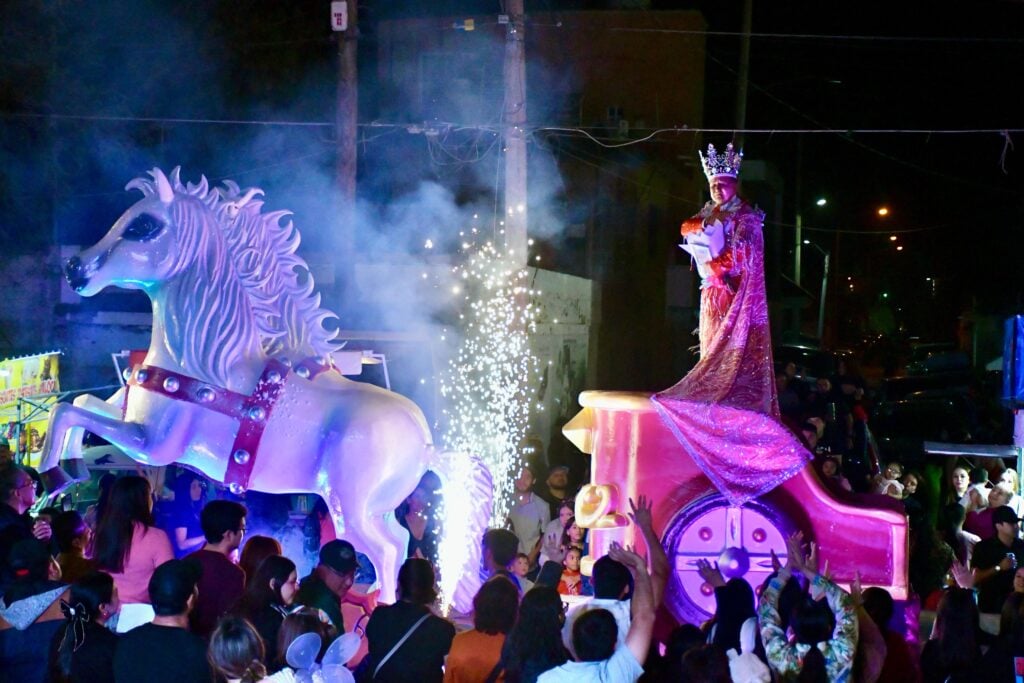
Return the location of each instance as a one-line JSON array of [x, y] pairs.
[[122, 600]]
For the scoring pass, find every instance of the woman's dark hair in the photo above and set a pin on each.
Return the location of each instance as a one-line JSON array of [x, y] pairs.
[[129, 503], [236, 650], [814, 669], [706, 663], [950, 518], [303, 620], [1011, 618], [734, 605], [495, 606], [812, 622], [956, 629], [255, 550], [566, 541], [68, 526], [259, 594], [416, 581], [536, 637], [83, 607], [183, 492], [103, 500]]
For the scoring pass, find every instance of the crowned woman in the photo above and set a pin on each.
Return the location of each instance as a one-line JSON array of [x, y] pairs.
[[725, 410]]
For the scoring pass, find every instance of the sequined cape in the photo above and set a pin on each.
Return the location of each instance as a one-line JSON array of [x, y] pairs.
[[725, 411]]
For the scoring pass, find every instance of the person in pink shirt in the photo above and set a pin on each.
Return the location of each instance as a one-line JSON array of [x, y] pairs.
[[130, 548]]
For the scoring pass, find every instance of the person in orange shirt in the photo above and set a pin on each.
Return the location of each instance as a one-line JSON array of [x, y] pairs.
[[475, 653]]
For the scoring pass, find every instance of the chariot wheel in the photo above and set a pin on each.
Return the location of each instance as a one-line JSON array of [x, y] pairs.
[[738, 539]]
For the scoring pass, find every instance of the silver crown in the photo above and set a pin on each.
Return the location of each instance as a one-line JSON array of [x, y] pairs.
[[727, 164]]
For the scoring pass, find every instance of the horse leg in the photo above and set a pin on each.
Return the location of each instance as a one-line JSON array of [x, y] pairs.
[[71, 452], [369, 534], [67, 420]]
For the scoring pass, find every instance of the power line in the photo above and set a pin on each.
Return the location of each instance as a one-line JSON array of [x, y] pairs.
[[824, 36]]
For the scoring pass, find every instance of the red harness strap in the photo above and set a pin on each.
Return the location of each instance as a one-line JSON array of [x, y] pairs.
[[252, 412]]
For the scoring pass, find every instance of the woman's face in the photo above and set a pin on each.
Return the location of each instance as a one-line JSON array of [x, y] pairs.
[[195, 491], [961, 481], [572, 560], [828, 468], [1008, 478], [564, 514], [289, 588], [1018, 581], [909, 484], [575, 533]]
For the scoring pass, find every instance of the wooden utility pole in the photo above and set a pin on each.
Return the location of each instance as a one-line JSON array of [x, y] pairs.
[[514, 132], [346, 132]]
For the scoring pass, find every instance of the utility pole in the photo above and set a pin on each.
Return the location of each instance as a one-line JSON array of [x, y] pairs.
[[743, 73], [798, 233], [346, 131], [514, 132]]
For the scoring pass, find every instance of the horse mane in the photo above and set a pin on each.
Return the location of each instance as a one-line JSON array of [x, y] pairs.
[[277, 284]]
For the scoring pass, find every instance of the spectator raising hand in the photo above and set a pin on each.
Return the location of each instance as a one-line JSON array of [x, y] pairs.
[[817, 652]]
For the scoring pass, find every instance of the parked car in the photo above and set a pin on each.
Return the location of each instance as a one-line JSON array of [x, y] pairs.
[[811, 363], [901, 427]]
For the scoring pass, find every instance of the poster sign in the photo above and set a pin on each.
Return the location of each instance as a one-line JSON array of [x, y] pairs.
[[339, 16], [28, 377]]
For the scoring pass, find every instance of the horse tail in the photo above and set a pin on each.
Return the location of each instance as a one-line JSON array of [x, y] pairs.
[[467, 492]]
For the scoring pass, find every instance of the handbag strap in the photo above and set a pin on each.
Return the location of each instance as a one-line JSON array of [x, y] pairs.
[[400, 643]]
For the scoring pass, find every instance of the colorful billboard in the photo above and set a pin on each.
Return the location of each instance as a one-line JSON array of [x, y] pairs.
[[34, 382]]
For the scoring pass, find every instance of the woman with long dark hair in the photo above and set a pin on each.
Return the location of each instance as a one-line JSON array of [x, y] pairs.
[[130, 548], [256, 549], [83, 651], [186, 531], [953, 653], [407, 642], [267, 599], [534, 645]]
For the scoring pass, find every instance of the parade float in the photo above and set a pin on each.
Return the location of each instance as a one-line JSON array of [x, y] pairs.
[[238, 382]]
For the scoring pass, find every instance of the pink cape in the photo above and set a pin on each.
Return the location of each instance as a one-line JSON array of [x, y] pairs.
[[725, 411]]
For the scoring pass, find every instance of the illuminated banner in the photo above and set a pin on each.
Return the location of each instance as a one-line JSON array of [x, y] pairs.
[[29, 377]]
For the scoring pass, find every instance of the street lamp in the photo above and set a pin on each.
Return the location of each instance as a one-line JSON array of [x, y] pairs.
[[883, 211], [824, 287], [821, 201]]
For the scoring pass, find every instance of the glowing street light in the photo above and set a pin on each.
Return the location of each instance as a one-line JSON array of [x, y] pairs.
[[821, 201], [883, 211], [899, 248], [892, 238]]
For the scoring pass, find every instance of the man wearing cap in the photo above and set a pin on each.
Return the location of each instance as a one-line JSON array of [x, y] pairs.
[[330, 581], [165, 650], [555, 488], [995, 559]]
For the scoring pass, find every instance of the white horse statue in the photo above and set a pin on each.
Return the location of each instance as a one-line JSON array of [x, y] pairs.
[[234, 382]]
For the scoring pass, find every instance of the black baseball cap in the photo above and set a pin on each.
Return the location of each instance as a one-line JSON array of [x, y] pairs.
[[1004, 514], [172, 584], [339, 556]]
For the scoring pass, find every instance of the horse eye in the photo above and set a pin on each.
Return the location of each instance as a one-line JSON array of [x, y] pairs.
[[143, 228]]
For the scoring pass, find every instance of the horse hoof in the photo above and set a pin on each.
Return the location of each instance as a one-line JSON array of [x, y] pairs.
[[55, 481], [77, 469]]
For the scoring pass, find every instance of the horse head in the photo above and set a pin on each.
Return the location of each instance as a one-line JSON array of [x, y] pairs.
[[138, 252]]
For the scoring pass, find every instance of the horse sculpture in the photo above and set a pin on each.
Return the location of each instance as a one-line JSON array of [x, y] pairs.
[[233, 384]]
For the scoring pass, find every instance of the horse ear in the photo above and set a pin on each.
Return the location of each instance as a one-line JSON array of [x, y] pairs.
[[163, 186]]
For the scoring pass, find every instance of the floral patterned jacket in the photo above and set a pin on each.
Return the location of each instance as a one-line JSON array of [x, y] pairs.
[[787, 658]]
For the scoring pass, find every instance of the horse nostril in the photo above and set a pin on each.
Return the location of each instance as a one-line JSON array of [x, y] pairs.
[[73, 267], [74, 271]]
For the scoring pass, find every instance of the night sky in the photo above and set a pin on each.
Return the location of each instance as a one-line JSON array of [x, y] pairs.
[[954, 204]]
